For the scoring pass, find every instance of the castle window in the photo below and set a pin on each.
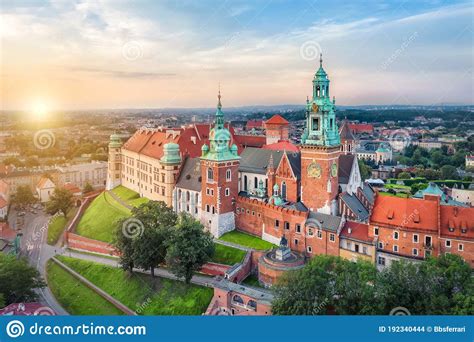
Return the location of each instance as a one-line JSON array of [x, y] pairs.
[[227, 192], [298, 228], [237, 299], [207, 208], [252, 304], [415, 251], [331, 123], [287, 225], [376, 231], [245, 183], [277, 224], [381, 261], [210, 174], [188, 196], [415, 238], [448, 243], [315, 124], [460, 247], [395, 235], [296, 242], [255, 183], [320, 234], [332, 237], [309, 249], [213, 210], [310, 232], [283, 190], [395, 248], [228, 175]]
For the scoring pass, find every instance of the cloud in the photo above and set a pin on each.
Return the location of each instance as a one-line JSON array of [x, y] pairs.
[[121, 73]]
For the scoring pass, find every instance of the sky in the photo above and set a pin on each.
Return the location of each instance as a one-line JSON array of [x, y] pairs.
[[155, 54]]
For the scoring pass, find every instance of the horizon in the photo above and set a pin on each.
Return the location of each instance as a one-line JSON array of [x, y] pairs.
[[118, 56]]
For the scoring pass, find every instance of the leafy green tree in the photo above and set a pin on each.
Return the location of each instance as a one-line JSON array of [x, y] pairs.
[[404, 175], [150, 245], [124, 243], [189, 248], [326, 284], [23, 195], [365, 170], [87, 188], [2, 300], [60, 201], [449, 172], [18, 280]]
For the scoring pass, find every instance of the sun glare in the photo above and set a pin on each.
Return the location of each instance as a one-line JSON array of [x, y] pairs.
[[40, 110]]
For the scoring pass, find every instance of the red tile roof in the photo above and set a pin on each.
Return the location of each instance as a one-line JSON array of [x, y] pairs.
[[408, 213], [254, 124], [361, 128], [282, 145], [277, 120], [74, 189], [455, 219], [190, 140], [359, 231], [6, 232], [250, 140]]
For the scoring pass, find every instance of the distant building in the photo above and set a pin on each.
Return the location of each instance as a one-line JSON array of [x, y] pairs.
[[277, 129], [358, 128], [93, 173], [44, 189], [469, 161]]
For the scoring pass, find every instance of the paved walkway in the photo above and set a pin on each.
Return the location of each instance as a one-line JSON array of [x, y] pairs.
[[118, 199], [159, 271], [234, 245]]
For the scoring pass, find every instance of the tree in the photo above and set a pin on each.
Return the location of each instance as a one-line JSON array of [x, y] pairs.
[[124, 243], [404, 175], [23, 195], [365, 170], [60, 201], [189, 247], [326, 284], [449, 172], [150, 245], [18, 280], [87, 188]]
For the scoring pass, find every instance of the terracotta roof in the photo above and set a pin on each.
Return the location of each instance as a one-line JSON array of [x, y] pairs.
[[250, 140], [359, 231], [190, 140], [6, 232], [282, 145], [409, 213], [345, 131], [455, 220], [359, 128], [254, 124], [72, 188], [43, 182], [277, 120]]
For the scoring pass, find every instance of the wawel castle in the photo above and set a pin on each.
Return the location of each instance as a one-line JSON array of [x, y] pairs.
[[309, 198]]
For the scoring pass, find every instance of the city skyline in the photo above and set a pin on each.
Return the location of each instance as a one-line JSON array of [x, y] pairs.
[[119, 55]]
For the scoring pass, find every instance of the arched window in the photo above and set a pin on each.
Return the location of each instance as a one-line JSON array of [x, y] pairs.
[[283, 190], [207, 207], [197, 198], [188, 196], [237, 299], [255, 183], [210, 174], [252, 304], [317, 91], [245, 183], [179, 194], [213, 210], [228, 175]]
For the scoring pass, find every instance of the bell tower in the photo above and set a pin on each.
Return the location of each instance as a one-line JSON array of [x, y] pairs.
[[114, 165], [219, 171], [320, 148]]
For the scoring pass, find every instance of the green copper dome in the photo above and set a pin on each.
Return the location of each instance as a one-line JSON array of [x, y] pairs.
[[171, 154], [115, 141]]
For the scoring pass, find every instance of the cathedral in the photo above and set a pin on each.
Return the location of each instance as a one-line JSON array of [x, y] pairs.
[[310, 196]]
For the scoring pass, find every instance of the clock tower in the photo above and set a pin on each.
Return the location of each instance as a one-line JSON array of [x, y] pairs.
[[320, 149]]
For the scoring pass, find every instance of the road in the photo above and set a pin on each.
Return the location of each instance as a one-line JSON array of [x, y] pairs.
[[34, 246]]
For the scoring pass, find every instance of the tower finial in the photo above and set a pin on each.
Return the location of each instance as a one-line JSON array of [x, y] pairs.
[[219, 105], [320, 59]]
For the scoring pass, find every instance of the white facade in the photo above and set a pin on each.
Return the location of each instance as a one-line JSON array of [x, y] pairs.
[[463, 196], [94, 173], [249, 181], [44, 190], [187, 201]]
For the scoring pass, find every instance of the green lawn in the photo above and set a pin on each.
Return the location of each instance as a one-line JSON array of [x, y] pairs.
[[157, 296], [246, 240], [227, 255], [129, 196], [75, 297], [100, 218], [252, 280], [57, 225], [400, 194]]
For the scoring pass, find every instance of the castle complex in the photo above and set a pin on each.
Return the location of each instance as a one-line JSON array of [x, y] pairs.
[[310, 196]]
